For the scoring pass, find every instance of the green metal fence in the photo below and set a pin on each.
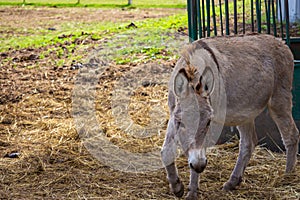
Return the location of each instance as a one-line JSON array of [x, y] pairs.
[[224, 17], [208, 18]]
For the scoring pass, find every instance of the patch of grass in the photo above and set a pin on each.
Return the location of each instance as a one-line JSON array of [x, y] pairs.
[[42, 56], [101, 4], [146, 42], [69, 32], [31, 67], [60, 62], [96, 37]]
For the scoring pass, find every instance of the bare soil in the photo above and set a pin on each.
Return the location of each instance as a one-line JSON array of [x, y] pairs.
[[51, 160], [24, 17]]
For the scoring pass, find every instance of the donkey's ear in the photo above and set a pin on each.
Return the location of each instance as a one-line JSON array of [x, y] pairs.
[[181, 83], [207, 82]]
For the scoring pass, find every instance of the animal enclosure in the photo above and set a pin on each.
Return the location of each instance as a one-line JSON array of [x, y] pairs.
[[220, 18], [42, 50]]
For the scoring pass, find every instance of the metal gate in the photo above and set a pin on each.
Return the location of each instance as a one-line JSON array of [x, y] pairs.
[[208, 18], [225, 17]]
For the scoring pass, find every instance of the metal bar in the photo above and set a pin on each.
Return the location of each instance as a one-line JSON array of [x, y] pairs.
[[214, 17], [203, 18], [244, 26], [195, 26], [192, 19], [280, 16], [235, 16], [208, 17], [221, 17], [258, 15], [269, 7], [267, 16], [252, 16], [189, 18], [274, 19], [199, 18], [287, 22], [190, 28], [266, 11], [227, 17]]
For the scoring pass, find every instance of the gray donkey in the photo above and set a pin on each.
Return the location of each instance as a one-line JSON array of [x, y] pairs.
[[227, 81]]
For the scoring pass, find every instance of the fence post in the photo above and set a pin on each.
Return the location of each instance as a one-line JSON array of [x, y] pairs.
[[192, 19], [227, 17], [208, 17], [287, 22]]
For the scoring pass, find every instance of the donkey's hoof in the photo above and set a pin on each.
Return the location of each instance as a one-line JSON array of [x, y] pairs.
[[178, 189], [192, 195], [228, 186], [290, 168], [291, 160], [232, 183]]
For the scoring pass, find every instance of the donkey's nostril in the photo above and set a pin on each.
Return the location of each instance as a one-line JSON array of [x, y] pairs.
[[198, 168], [191, 166]]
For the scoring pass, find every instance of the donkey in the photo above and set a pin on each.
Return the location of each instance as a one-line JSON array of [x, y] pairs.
[[249, 73]]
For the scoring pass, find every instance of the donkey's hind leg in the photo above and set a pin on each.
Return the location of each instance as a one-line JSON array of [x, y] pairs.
[[248, 141], [280, 108]]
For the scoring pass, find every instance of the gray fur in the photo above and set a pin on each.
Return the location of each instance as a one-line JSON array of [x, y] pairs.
[[255, 71]]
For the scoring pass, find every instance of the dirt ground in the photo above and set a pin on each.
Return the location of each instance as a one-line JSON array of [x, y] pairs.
[[51, 162], [19, 17]]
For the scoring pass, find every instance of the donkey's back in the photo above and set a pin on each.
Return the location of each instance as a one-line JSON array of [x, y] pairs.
[[257, 70]]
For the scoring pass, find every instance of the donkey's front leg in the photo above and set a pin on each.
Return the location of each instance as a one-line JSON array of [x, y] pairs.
[[176, 185], [168, 158], [193, 186], [168, 154], [248, 141]]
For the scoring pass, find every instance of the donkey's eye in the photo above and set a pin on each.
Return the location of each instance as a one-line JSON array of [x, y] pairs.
[[181, 125], [206, 87], [208, 124], [198, 87]]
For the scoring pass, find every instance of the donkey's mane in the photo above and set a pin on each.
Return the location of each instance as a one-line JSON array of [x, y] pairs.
[[189, 69], [191, 48]]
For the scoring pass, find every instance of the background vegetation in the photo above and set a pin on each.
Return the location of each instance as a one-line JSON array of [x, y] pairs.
[[100, 3]]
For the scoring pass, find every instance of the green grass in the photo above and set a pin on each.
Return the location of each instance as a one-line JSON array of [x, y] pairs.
[[100, 3], [46, 37], [147, 42], [116, 2]]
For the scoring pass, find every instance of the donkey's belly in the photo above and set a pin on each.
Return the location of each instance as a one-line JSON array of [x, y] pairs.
[[242, 117], [242, 109], [248, 95]]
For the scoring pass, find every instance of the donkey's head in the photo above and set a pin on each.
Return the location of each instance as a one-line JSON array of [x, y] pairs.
[[193, 112]]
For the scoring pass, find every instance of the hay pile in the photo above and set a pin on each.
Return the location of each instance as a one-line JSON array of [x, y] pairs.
[[36, 121]]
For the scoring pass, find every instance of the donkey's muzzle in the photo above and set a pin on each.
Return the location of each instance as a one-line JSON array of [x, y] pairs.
[[198, 167]]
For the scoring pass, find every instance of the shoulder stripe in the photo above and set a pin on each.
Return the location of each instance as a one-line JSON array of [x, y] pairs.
[[202, 44]]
